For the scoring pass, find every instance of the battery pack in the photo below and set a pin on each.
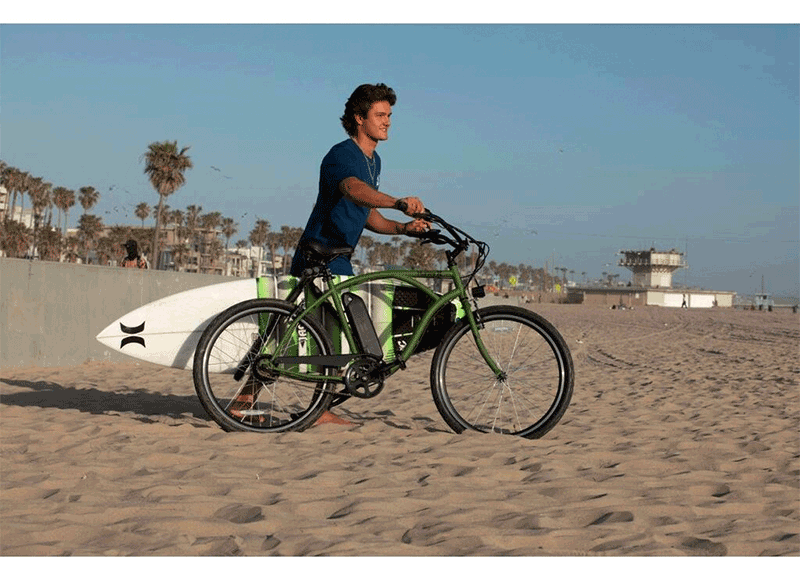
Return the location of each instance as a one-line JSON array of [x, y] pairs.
[[364, 330]]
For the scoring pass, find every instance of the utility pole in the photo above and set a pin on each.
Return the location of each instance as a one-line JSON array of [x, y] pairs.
[[686, 261]]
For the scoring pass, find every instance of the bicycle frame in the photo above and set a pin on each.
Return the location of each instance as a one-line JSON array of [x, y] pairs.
[[408, 276]]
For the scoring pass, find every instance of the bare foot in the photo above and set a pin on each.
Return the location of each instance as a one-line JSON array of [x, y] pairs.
[[329, 418]]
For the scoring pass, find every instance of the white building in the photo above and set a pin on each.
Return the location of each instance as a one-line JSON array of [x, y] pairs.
[[25, 218], [651, 268], [252, 262]]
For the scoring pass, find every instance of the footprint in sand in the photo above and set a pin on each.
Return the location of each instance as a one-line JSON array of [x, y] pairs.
[[238, 513]]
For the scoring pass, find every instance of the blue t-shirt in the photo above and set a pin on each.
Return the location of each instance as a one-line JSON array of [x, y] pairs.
[[336, 221]]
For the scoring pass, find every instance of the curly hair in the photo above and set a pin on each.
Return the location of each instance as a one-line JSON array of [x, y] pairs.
[[360, 102]]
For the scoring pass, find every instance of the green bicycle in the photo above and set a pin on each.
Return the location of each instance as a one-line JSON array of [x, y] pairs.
[[271, 365]]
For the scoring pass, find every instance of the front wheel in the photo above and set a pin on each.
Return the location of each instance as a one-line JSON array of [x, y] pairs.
[[233, 379], [531, 393]]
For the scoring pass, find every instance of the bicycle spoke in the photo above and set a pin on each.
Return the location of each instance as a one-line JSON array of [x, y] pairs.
[[263, 399], [532, 392]]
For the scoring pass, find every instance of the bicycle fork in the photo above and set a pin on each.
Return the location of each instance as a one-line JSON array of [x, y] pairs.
[[476, 325]]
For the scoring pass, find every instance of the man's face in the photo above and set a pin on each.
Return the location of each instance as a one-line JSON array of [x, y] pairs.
[[376, 125]]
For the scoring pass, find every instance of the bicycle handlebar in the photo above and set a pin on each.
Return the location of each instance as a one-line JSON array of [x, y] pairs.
[[402, 206], [458, 239]]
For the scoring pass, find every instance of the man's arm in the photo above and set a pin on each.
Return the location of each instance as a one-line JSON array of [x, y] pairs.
[[380, 224], [364, 195]]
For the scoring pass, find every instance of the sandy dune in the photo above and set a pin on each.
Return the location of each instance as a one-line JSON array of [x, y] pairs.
[[681, 440]]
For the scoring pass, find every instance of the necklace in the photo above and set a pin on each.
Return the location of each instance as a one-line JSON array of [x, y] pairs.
[[371, 168]]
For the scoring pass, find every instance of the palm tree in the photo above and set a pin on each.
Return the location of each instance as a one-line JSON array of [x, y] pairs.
[[64, 198], [175, 217], [504, 272], [89, 226], [88, 198], [26, 184], [365, 243], [208, 224], [48, 243], [210, 221], [117, 236], [107, 247], [40, 195], [289, 238], [142, 211], [421, 257], [214, 252], [273, 243], [229, 229], [165, 219], [6, 177], [17, 184], [179, 253], [192, 219], [14, 238], [258, 237], [165, 166], [72, 245]]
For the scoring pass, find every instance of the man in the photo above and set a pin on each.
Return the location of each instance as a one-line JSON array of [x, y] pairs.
[[349, 199]]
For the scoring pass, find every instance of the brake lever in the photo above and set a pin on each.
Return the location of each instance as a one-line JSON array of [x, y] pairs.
[[433, 236]]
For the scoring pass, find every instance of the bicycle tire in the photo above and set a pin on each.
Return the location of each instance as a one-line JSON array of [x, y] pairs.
[[537, 367], [235, 339]]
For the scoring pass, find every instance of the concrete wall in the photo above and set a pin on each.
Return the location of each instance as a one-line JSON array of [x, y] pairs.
[[50, 313], [608, 297]]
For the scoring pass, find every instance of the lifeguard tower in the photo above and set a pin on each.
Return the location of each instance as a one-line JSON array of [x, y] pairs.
[[651, 285], [651, 268]]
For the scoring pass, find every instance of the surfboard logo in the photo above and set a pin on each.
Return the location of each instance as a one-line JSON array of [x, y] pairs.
[[133, 331]]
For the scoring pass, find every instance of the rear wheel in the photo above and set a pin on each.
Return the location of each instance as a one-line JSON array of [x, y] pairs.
[[233, 379], [533, 391]]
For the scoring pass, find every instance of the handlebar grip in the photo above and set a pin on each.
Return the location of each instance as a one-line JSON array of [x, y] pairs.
[[402, 206]]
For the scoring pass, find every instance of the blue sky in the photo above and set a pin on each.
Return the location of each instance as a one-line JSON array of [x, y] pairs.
[[562, 143]]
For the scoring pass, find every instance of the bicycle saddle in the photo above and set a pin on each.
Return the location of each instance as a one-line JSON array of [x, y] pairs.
[[317, 253]]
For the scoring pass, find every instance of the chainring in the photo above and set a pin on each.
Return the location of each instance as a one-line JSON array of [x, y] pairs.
[[361, 378]]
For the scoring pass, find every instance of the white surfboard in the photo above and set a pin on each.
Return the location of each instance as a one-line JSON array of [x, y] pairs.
[[166, 331]]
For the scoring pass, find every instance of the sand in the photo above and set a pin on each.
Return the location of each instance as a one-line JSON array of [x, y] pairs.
[[681, 440]]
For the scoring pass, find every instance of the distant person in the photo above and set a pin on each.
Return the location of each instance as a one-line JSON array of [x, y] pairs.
[[133, 259], [683, 304]]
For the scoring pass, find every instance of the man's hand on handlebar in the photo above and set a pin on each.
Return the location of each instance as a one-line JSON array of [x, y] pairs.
[[416, 226], [410, 206], [413, 207]]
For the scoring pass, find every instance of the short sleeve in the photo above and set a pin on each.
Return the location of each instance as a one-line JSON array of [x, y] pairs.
[[340, 163]]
